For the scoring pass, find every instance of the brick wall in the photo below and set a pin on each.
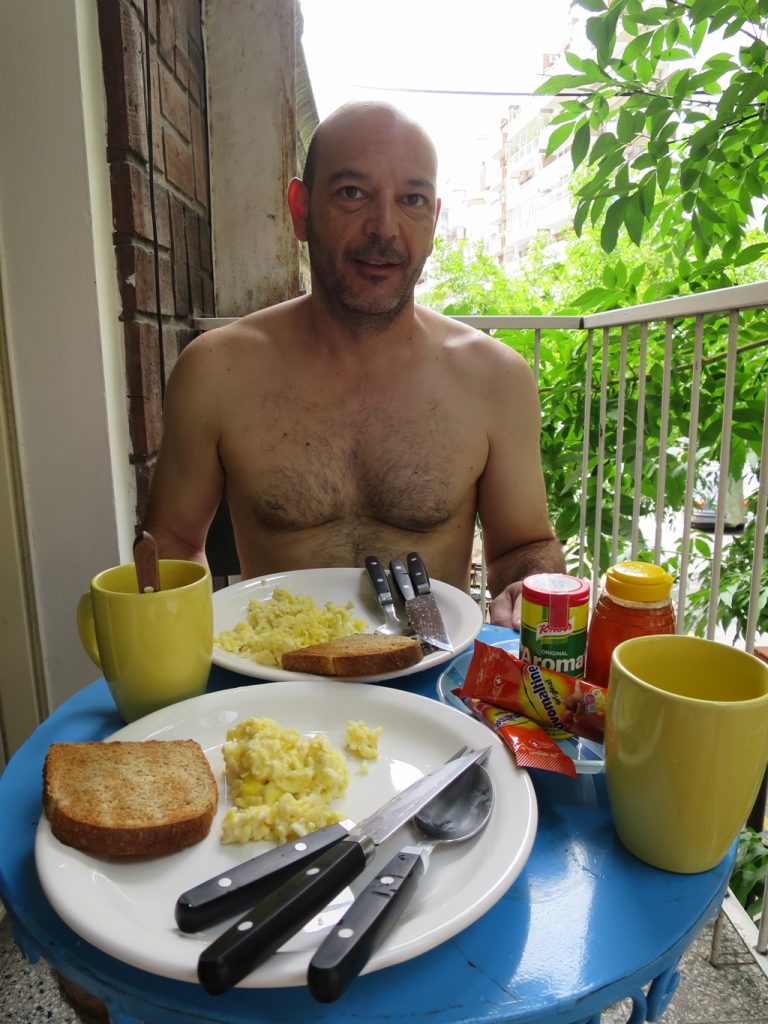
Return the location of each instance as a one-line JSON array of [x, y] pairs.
[[180, 166]]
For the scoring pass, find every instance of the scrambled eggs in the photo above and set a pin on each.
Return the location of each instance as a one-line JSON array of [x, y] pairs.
[[285, 622], [282, 783], [362, 741]]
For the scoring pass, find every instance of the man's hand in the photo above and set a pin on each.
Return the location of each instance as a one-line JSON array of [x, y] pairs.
[[506, 607]]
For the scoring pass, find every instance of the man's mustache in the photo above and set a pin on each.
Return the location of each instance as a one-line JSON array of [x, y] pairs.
[[385, 253]]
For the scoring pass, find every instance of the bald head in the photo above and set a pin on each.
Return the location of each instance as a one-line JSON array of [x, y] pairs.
[[361, 121]]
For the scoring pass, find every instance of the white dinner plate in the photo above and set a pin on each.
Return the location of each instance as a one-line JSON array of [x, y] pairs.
[[588, 756], [126, 908], [461, 615]]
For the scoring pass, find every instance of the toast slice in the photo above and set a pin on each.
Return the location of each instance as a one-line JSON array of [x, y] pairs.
[[362, 654], [122, 799]]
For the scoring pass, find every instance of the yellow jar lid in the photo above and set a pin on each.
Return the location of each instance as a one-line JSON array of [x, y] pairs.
[[638, 581]]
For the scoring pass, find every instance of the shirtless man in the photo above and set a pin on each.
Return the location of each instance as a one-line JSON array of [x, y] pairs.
[[351, 421]]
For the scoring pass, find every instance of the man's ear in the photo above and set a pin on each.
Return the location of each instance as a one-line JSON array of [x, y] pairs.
[[298, 204]]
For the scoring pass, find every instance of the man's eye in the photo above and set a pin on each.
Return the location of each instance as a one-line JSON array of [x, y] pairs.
[[350, 192], [414, 199]]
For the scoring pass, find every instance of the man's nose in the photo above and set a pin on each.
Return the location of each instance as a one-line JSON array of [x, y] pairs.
[[382, 220]]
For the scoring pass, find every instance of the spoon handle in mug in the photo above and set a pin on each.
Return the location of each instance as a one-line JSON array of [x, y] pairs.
[[147, 565]]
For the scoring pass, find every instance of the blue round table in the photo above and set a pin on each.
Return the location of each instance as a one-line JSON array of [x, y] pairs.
[[585, 924]]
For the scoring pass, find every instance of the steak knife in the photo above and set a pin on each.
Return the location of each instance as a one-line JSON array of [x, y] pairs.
[[237, 890], [279, 915], [420, 604]]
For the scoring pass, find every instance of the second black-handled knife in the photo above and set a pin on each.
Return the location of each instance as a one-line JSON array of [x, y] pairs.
[[234, 891], [278, 916], [348, 947], [420, 604]]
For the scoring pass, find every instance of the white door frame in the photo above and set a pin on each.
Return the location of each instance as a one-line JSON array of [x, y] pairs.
[[66, 469]]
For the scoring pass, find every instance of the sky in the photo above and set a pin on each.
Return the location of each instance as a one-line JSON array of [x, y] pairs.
[[364, 49]]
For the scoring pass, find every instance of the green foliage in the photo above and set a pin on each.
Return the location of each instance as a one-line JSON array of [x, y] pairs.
[[468, 282], [750, 871], [672, 132], [672, 157]]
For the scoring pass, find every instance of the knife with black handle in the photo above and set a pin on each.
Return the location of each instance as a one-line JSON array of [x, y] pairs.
[[364, 927], [420, 604], [278, 916], [240, 888]]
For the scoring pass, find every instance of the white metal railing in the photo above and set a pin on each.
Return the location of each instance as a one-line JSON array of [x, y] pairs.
[[687, 318], [616, 376]]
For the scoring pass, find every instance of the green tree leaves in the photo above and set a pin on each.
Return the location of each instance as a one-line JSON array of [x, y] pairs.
[[647, 100]]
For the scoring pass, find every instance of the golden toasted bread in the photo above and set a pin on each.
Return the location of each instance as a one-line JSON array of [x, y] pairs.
[[362, 654], [120, 799]]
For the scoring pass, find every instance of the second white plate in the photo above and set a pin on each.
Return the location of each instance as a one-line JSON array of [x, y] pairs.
[[460, 612]]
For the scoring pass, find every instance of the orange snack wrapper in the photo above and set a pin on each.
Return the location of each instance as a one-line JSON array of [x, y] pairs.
[[546, 697], [528, 741]]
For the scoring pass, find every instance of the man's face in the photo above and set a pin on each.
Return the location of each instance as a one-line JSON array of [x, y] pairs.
[[371, 217]]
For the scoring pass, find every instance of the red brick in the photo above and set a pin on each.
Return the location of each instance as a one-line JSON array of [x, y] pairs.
[[122, 47], [152, 7], [196, 75], [174, 103], [143, 474], [167, 30], [136, 280], [200, 156], [183, 68], [175, 339], [197, 297], [157, 130], [180, 258], [179, 168], [143, 374], [204, 234], [193, 21], [131, 205]]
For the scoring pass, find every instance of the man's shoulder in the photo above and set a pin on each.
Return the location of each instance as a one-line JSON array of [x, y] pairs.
[[245, 335], [467, 341]]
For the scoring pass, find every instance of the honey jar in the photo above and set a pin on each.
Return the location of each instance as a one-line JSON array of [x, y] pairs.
[[635, 601]]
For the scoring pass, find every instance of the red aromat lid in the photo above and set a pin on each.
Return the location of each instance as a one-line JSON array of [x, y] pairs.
[[542, 586], [558, 592]]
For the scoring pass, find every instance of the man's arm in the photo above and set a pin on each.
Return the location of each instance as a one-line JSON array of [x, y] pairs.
[[518, 539], [188, 479]]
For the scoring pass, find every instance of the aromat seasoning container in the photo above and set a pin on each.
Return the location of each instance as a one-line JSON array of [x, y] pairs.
[[553, 631]]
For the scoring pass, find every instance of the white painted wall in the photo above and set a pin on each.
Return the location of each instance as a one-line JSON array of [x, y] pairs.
[[64, 344]]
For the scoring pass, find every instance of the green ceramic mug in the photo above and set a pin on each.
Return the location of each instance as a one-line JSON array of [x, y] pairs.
[[153, 648], [686, 745]]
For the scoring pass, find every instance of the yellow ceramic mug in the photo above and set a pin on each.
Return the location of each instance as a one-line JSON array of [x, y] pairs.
[[154, 648], [686, 744]]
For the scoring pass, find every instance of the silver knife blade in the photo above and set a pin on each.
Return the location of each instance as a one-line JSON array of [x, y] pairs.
[[279, 915], [402, 807], [421, 609]]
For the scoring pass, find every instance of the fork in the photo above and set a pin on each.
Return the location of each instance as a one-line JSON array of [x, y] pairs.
[[378, 576]]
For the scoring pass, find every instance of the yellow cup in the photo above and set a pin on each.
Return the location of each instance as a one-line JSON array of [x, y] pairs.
[[154, 648], [686, 745]]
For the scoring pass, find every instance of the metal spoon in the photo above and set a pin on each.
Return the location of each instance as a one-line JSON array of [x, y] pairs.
[[460, 812]]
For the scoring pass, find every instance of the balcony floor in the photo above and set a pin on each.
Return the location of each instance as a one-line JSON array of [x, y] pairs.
[[734, 992]]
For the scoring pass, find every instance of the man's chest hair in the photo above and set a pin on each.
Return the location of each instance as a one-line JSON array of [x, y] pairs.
[[411, 473]]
